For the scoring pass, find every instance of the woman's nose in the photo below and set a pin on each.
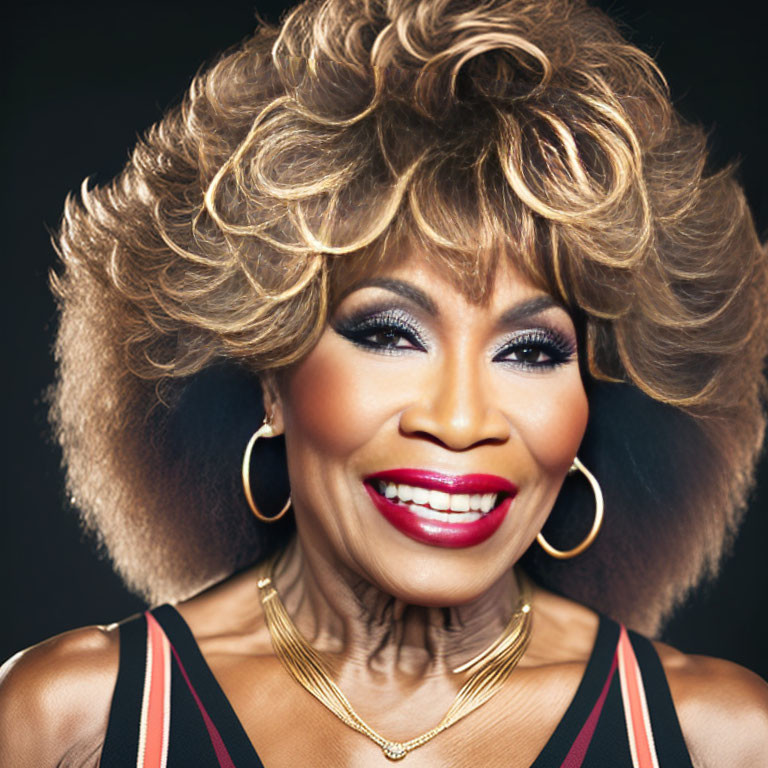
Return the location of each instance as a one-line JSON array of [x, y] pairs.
[[457, 408]]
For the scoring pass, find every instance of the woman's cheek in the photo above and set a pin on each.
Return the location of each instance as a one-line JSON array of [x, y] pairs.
[[553, 421], [337, 398]]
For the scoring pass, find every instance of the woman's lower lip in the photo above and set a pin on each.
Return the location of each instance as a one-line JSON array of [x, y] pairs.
[[437, 532]]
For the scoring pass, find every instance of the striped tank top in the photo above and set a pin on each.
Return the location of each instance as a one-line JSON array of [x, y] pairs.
[[168, 711]]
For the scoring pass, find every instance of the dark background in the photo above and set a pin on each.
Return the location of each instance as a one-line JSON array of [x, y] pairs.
[[84, 79]]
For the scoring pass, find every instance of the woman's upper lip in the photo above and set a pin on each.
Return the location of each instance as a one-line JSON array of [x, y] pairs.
[[436, 481]]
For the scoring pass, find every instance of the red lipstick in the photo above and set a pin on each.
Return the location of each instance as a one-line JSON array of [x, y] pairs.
[[439, 532]]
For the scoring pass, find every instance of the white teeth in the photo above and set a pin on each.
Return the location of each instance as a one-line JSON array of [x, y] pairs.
[[460, 502], [464, 507], [420, 496], [444, 517], [439, 500]]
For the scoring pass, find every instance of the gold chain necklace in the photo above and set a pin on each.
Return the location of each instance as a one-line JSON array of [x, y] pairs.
[[492, 667]]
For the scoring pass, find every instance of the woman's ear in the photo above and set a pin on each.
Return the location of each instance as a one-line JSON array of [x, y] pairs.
[[273, 403]]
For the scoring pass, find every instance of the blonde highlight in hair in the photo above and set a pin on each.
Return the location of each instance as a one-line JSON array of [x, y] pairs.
[[352, 134]]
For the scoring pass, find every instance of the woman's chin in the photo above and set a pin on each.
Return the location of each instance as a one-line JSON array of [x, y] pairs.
[[432, 580]]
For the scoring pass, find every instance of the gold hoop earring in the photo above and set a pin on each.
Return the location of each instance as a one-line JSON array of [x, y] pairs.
[[265, 430], [560, 554]]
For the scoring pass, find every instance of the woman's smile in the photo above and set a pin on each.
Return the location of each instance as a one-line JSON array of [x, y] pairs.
[[438, 509], [427, 436]]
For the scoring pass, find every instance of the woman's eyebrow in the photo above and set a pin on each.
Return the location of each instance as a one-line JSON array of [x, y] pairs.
[[528, 308], [407, 290], [402, 288]]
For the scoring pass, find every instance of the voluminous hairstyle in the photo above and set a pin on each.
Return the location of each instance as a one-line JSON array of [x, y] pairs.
[[355, 133]]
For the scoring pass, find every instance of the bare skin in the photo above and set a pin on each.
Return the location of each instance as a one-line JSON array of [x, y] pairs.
[[55, 701], [461, 394]]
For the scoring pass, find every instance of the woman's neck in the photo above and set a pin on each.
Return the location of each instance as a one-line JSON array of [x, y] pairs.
[[357, 625]]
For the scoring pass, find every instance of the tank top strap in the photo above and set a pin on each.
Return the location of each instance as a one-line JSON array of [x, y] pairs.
[[168, 710], [139, 721], [653, 728], [121, 741], [162, 713], [622, 714], [578, 740]]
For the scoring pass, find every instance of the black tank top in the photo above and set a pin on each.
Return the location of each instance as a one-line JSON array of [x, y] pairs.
[[168, 711]]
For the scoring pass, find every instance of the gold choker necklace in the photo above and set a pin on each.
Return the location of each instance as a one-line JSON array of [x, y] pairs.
[[492, 667]]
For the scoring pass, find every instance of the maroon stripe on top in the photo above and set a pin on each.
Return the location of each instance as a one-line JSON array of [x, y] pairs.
[[578, 750], [222, 755]]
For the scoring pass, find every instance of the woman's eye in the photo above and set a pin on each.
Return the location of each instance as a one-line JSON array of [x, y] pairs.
[[530, 355], [389, 332], [539, 350], [390, 338]]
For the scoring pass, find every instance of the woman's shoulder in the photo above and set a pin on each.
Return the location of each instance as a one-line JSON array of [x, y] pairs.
[[55, 698], [722, 708]]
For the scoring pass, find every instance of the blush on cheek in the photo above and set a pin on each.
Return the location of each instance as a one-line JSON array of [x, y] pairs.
[[554, 426], [330, 401]]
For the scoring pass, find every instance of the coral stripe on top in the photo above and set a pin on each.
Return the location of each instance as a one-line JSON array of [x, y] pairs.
[[155, 708], [156, 703], [639, 733]]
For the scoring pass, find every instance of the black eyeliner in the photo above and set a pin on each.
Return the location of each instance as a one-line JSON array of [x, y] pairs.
[[382, 319], [364, 323], [554, 344]]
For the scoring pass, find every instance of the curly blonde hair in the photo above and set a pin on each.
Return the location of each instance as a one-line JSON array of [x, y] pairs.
[[474, 132]]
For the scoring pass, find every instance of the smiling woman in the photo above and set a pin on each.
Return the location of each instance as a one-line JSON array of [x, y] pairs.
[[466, 261], [465, 420]]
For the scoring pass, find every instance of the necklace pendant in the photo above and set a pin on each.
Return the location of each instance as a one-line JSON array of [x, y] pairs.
[[394, 751]]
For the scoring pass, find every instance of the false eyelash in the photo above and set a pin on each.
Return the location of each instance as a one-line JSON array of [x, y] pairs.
[[364, 323], [557, 347]]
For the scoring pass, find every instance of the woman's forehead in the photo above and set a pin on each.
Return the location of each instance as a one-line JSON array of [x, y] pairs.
[[482, 279]]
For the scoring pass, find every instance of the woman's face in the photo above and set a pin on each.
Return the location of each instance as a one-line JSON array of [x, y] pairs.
[[427, 437]]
